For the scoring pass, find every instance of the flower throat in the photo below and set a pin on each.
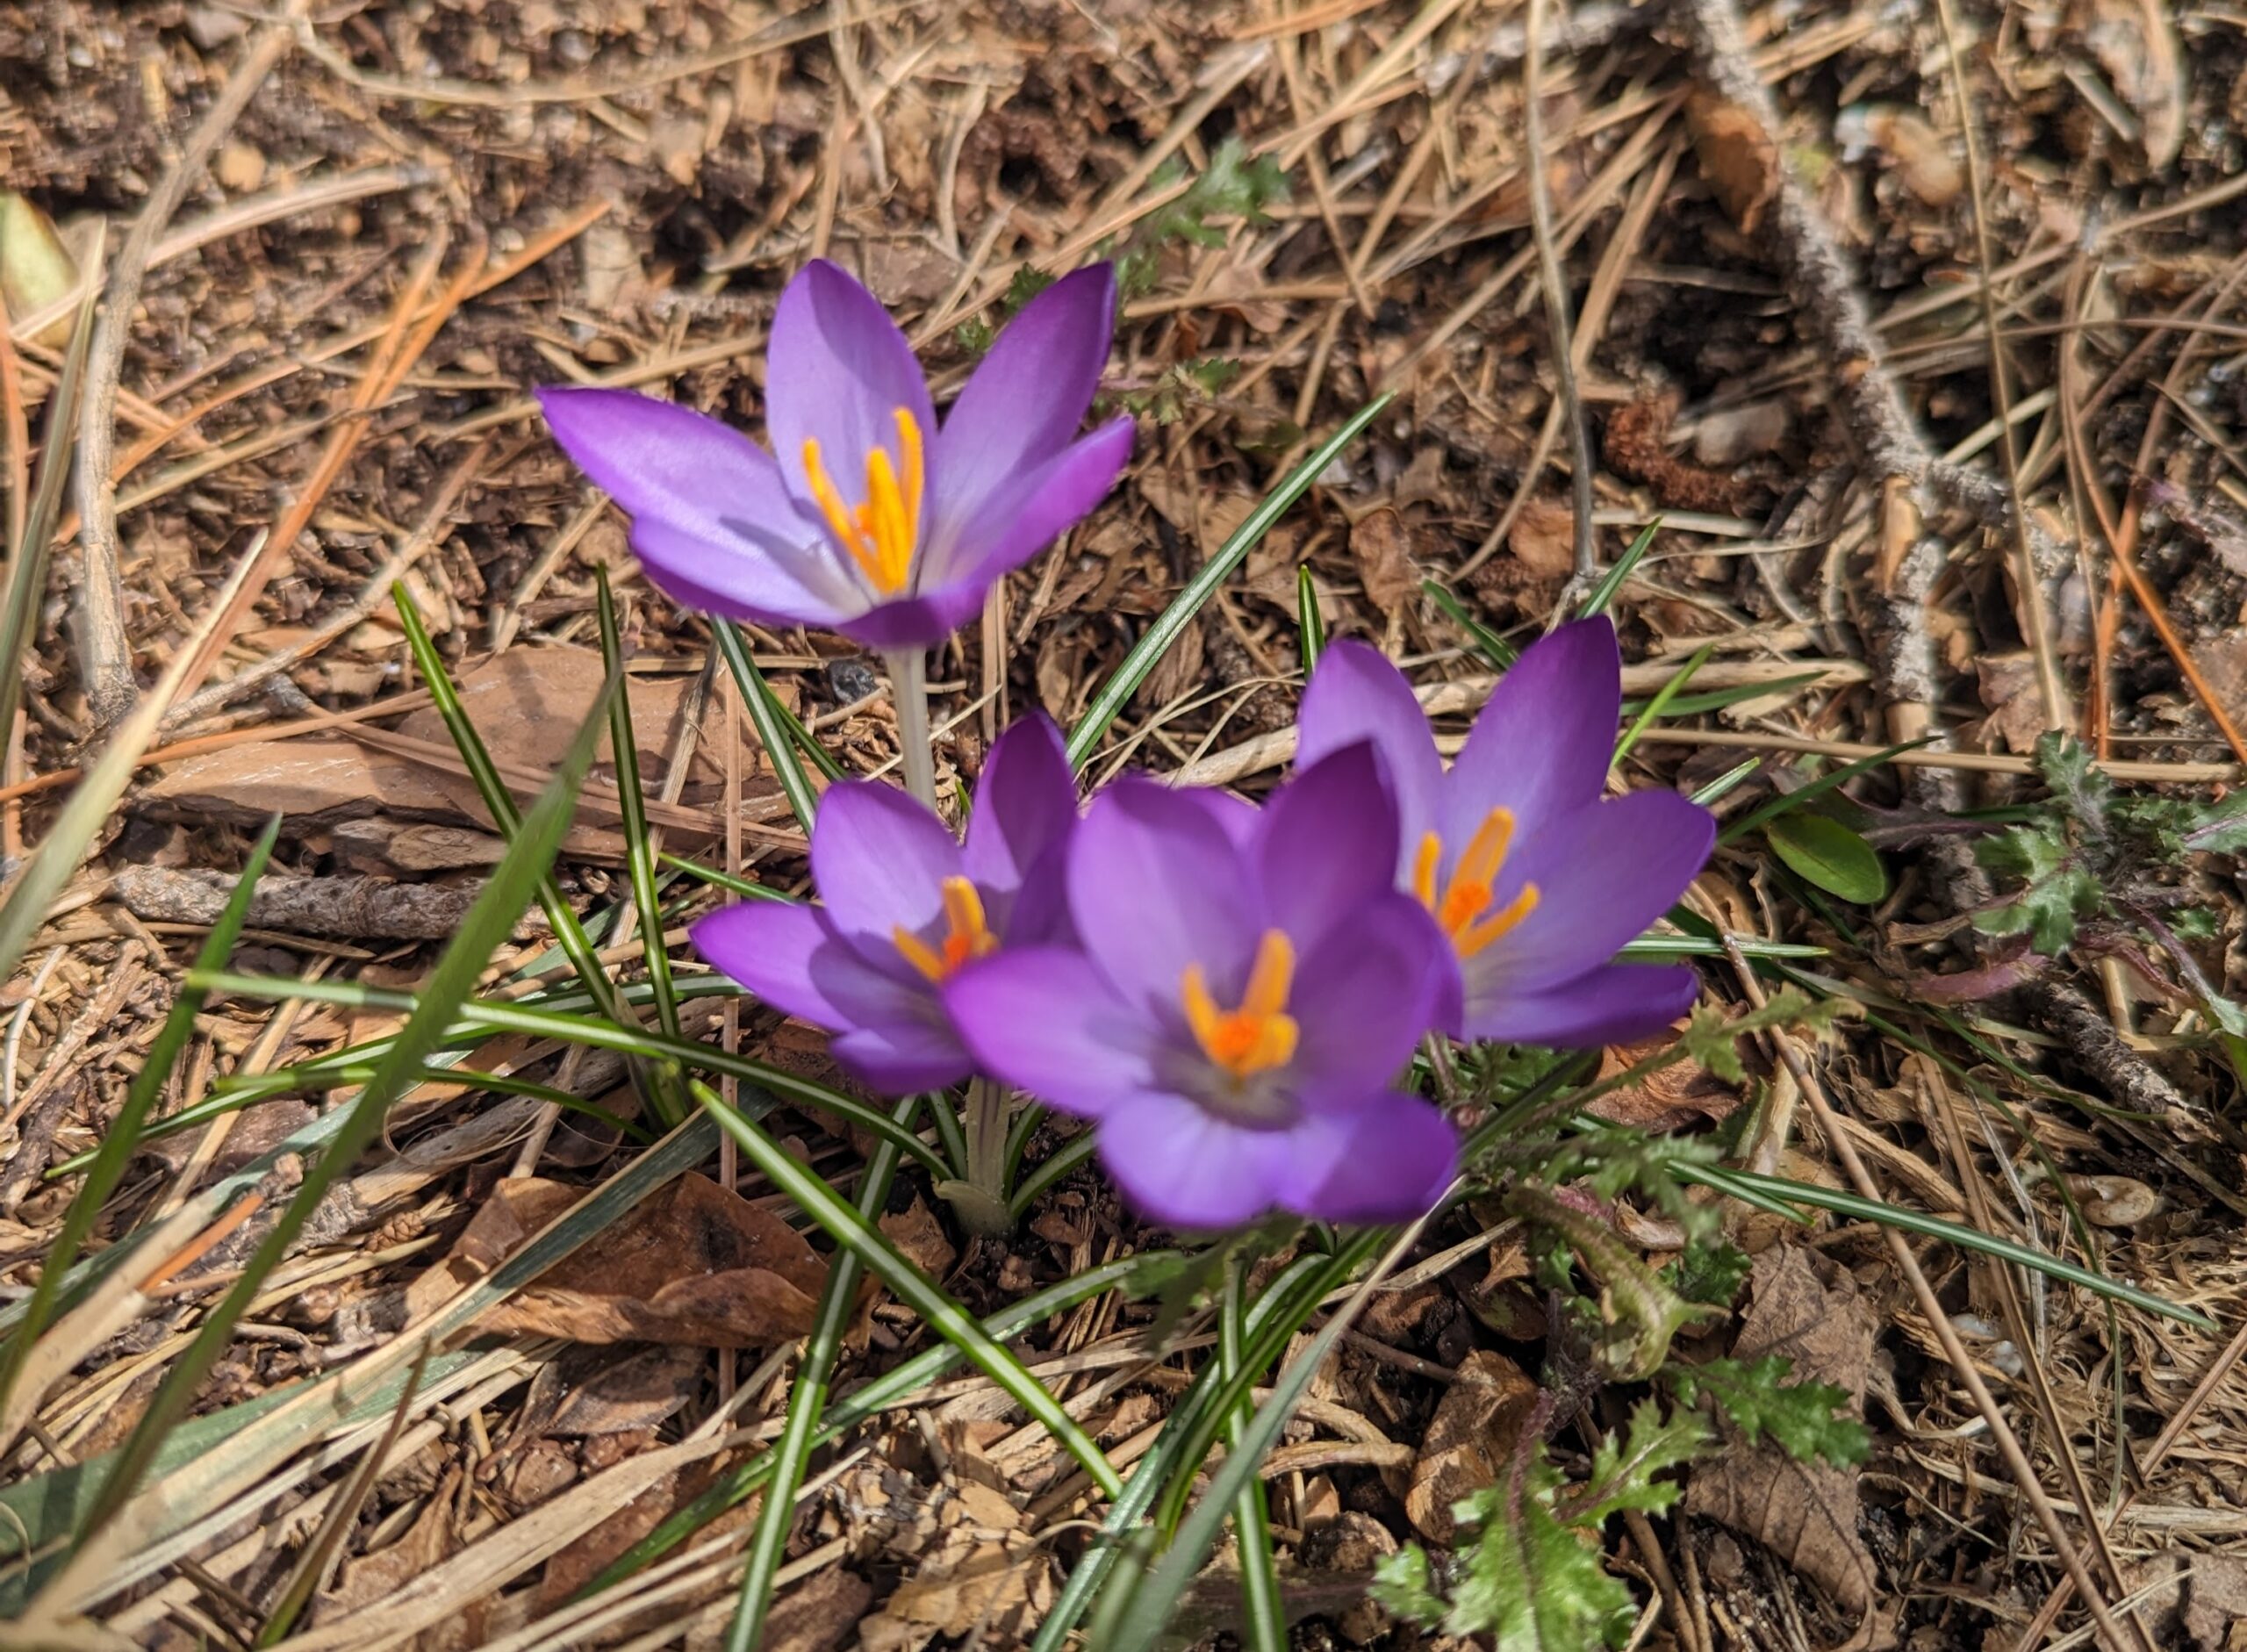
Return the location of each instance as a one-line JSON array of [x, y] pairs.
[[879, 534]]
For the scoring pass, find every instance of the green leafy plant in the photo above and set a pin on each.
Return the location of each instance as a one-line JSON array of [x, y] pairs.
[[1235, 185]]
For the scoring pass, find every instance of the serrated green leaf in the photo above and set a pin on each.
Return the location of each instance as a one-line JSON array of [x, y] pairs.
[[1825, 852], [1804, 1420], [1624, 1474]]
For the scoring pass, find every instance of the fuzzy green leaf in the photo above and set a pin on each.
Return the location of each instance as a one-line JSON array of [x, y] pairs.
[[1623, 1475], [1805, 1419]]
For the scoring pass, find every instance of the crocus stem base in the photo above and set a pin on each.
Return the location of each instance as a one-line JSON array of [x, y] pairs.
[[979, 1200], [909, 689]]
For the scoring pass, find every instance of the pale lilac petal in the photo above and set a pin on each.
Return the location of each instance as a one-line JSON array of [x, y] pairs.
[[1025, 804], [1156, 887], [892, 1033], [1235, 814], [1028, 394], [1185, 1167], [1603, 874], [1043, 1020], [923, 621], [1613, 1004], [1361, 1001], [1542, 746], [898, 1058], [1356, 695], [836, 370], [1388, 1162], [972, 553], [745, 578], [1326, 844], [880, 861]]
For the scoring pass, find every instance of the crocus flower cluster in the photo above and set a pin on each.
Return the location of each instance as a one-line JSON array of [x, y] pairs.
[[1229, 993]]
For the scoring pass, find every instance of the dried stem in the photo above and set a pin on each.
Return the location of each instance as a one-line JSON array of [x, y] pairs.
[[1556, 293]]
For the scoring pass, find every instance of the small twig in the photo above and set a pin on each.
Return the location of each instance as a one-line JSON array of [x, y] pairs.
[[105, 650], [1556, 295]]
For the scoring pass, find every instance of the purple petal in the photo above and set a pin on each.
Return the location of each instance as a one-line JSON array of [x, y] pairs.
[[836, 370], [1613, 1004], [1388, 1162], [1603, 875], [1043, 1020], [1185, 1167], [892, 1034], [1235, 816], [1541, 747], [1326, 844], [880, 861], [1028, 394], [1025, 804], [972, 553], [1363, 1000], [711, 519], [923, 621], [1356, 695], [1156, 887]]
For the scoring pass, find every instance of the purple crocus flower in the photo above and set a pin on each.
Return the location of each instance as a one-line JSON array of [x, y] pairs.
[[1537, 881], [1247, 988], [906, 908], [865, 518]]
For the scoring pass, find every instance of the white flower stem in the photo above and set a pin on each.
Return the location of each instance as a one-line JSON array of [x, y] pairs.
[[908, 691], [981, 1204]]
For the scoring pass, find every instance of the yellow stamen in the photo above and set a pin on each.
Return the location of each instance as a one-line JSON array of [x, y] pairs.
[[880, 535], [1462, 903], [1258, 1036], [966, 936]]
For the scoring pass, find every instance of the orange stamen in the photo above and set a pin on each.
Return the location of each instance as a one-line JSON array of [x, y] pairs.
[[1462, 906], [1259, 1034], [966, 936], [880, 535]]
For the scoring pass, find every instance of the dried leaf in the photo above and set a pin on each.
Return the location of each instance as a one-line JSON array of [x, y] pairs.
[[1543, 539], [919, 1238], [1468, 1440], [1804, 1513], [36, 269], [695, 1264], [1739, 158], [1382, 545], [1669, 1098], [1920, 154]]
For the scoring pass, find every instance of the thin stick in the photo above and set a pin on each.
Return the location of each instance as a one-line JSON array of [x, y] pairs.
[[105, 650], [1556, 296], [909, 683]]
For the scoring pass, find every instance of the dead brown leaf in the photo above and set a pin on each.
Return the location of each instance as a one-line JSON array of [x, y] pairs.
[[1807, 1309], [1669, 1098], [916, 1233], [1382, 545], [695, 1264], [1543, 539], [1739, 158], [1468, 1440]]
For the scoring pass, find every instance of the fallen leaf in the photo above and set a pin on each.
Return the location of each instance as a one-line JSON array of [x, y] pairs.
[[36, 269], [1669, 1098], [2008, 688], [695, 1264], [1473, 1432], [1808, 1310], [917, 1233], [1920, 154], [1739, 158], [1382, 545], [1543, 539]]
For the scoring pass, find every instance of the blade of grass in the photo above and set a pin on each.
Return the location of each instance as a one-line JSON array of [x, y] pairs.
[[1264, 1621], [632, 802], [1500, 653], [1818, 787], [1863, 1209], [1309, 627], [727, 881], [28, 551], [781, 749], [1731, 778], [1626, 565], [807, 1398], [1665, 697], [1116, 692], [123, 1137], [487, 924], [911, 1287]]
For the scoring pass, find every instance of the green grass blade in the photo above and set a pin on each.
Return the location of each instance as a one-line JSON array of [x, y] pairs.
[[725, 880], [911, 1287], [1116, 692], [1726, 781], [1264, 1621], [125, 1133], [487, 924], [1864, 1210], [1626, 565], [766, 712], [806, 1399], [1493, 648], [639, 854], [1309, 627], [1818, 787], [1062, 1160], [1665, 697]]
